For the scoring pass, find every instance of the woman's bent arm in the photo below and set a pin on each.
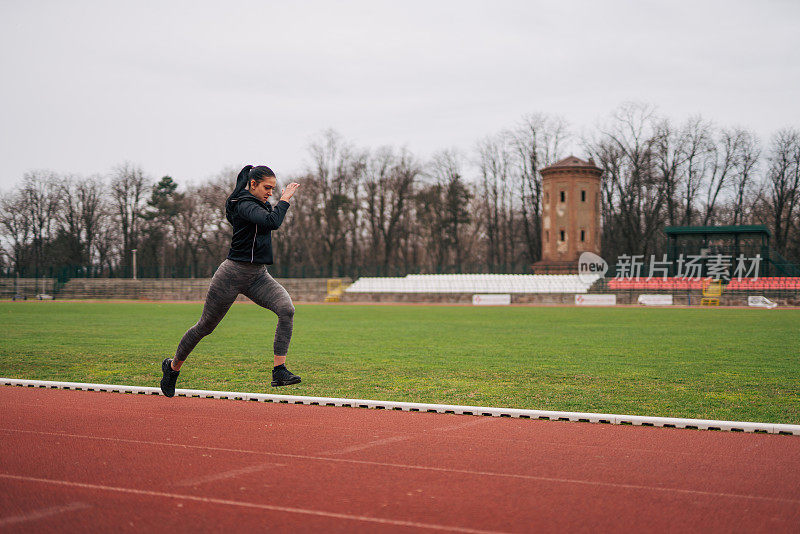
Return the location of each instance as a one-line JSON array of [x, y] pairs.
[[265, 220]]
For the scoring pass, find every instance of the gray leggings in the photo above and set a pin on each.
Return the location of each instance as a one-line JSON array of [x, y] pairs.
[[253, 281]]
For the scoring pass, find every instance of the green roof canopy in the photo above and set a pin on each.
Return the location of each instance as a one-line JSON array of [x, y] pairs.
[[717, 230]]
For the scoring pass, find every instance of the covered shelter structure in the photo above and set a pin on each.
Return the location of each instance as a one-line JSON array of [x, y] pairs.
[[709, 242]]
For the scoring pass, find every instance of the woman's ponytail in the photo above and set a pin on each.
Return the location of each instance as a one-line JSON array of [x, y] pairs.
[[241, 183]]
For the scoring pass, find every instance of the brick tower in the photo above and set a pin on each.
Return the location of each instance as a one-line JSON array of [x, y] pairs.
[[570, 213]]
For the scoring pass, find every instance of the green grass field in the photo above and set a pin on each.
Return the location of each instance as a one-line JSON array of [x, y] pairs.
[[703, 363]]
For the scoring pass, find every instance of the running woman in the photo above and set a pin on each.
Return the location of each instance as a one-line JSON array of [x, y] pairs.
[[245, 271]]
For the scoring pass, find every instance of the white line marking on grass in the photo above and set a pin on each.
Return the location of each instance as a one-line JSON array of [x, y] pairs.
[[637, 420], [227, 474], [430, 468], [42, 513], [243, 504]]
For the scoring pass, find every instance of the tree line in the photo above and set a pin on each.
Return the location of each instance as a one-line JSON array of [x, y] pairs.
[[384, 211]]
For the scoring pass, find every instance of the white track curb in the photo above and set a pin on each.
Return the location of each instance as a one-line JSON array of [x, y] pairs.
[[638, 420]]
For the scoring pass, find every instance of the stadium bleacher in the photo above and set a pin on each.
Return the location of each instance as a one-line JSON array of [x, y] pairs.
[[656, 284], [696, 284], [474, 283], [786, 283]]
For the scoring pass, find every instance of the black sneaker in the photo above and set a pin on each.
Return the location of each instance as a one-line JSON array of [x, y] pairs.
[[281, 376], [169, 378]]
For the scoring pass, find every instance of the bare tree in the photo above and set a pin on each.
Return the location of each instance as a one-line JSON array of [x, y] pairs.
[[129, 188], [745, 166], [80, 213], [331, 189], [189, 226], [300, 247], [443, 210], [784, 180], [211, 228], [498, 183], [723, 155], [632, 192], [356, 171], [40, 194], [390, 180], [16, 227], [537, 143], [697, 145], [669, 157], [92, 195], [108, 247], [430, 220]]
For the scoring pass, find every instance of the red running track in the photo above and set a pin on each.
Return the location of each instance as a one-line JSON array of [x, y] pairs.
[[95, 462]]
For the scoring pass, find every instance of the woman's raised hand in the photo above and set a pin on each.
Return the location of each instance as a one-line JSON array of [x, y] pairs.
[[289, 191]]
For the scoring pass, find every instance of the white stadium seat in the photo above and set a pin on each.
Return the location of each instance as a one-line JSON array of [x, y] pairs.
[[473, 283]]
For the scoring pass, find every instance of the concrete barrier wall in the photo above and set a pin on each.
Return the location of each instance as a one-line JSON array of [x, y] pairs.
[[315, 290], [25, 287], [623, 298], [457, 298], [300, 289]]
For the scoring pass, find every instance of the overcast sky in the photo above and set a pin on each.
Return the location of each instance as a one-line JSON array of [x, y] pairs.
[[187, 88]]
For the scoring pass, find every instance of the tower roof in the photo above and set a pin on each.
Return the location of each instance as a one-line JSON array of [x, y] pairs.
[[572, 161]]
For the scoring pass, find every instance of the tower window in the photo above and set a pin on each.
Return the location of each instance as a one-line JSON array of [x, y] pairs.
[[583, 196], [583, 235], [546, 197], [563, 196], [562, 235], [547, 235]]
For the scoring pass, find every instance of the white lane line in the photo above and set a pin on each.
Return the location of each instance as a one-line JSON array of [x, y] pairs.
[[243, 504], [405, 437], [368, 445], [42, 513], [474, 422], [429, 468], [227, 474]]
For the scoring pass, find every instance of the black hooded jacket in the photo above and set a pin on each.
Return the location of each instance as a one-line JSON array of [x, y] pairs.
[[253, 222]]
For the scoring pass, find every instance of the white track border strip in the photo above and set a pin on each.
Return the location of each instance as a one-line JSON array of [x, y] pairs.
[[637, 420]]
